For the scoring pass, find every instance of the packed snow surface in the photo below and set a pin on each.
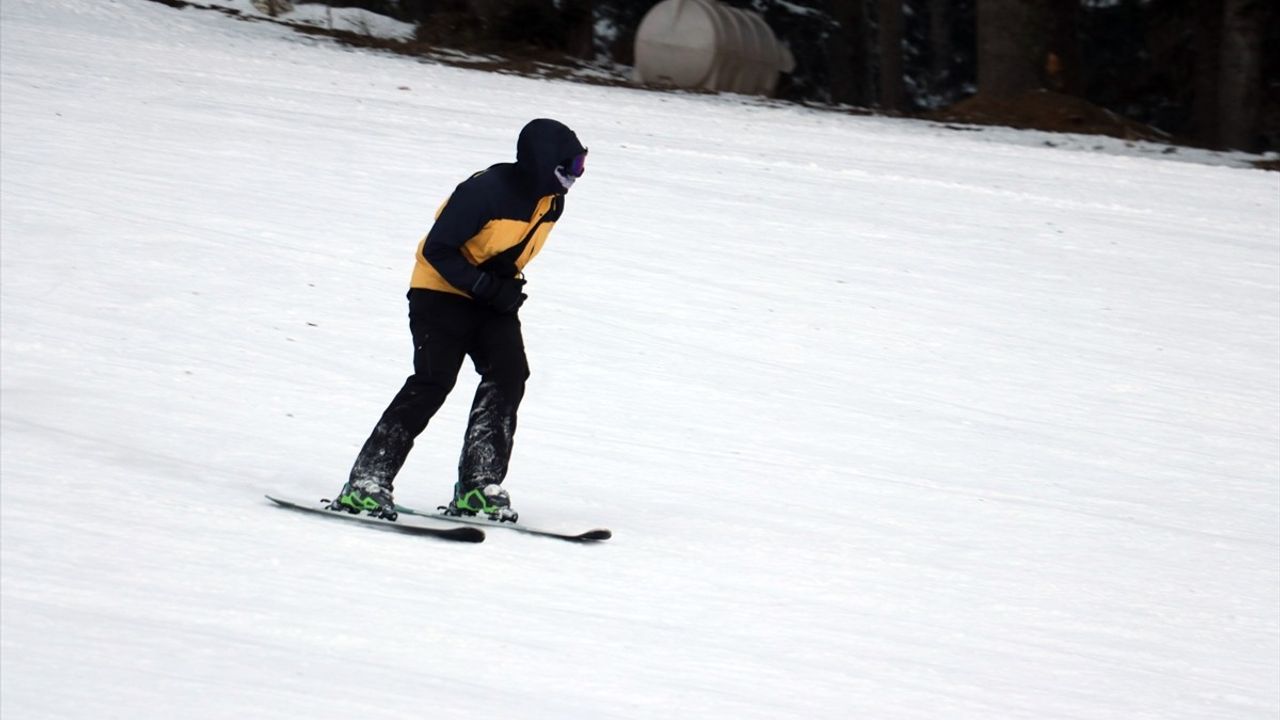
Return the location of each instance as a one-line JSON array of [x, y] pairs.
[[889, 421]]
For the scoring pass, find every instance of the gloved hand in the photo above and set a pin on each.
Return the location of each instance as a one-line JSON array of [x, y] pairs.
[[501, 293], [510, 295]]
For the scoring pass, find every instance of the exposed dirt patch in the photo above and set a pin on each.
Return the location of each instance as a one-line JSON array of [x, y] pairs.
[[1046, 110], [1055, 112]]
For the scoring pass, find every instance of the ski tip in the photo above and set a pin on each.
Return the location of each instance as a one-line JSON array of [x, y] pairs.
[[466, 534], [594, 535]]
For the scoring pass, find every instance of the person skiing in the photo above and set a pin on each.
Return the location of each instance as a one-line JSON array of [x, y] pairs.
[[464, 300]]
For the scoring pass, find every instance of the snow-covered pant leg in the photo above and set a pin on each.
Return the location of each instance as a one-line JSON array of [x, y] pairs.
[[440, 335], [498, 352]]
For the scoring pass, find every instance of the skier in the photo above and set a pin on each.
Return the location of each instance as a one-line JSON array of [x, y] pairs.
[[464, 300]]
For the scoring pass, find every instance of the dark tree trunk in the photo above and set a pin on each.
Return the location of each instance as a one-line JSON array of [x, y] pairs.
[[939, 42], [892, 87], [1012, 46], [847, 53], [1208, 54], [1240, 83], [581, 30], [1063, 71]]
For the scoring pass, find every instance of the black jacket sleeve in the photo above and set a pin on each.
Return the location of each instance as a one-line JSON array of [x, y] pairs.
[[462, 216]]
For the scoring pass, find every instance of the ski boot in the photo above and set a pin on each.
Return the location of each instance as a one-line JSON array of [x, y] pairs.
[[366, 496], [490, 501]]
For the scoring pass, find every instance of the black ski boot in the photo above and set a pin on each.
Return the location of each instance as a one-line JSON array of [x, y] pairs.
[[490, 501], [366, 496]]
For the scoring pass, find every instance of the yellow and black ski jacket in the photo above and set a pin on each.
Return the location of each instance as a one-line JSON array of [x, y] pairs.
[[497, 220]]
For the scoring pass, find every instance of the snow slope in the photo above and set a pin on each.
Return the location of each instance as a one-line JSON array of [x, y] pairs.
[[889, 421]]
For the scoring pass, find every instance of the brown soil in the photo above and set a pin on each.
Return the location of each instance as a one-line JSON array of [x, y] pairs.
[[1055, 112], [1046, 110]]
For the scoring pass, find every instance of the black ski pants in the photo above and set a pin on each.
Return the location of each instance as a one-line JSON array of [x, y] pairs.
[[447, 328]]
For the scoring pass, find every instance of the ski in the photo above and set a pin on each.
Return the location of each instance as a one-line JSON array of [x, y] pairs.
[[586, 536], [407, 526]]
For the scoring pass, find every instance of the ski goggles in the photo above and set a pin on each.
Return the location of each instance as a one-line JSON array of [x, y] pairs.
[[577, 165]]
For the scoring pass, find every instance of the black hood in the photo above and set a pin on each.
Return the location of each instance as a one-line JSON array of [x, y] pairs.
[[543, 145]]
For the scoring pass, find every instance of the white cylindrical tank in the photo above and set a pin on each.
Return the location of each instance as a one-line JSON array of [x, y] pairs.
[[706, 44]]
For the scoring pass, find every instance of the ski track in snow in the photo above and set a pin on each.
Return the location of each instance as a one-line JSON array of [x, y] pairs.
[[889, 421]]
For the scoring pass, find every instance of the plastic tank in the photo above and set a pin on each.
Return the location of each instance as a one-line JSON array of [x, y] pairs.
[[705, 44]]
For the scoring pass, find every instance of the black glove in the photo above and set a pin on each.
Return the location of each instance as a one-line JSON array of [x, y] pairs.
[[500, 293]]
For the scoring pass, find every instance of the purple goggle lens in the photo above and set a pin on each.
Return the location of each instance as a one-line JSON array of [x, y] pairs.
[[577, 165]]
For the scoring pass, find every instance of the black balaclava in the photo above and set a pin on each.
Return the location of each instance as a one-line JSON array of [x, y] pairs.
[[543, 146]]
